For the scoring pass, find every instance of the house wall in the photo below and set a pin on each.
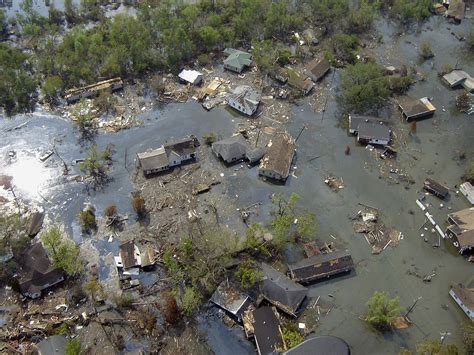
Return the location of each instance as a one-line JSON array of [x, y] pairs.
[[232, 68], [154, 171], [469, 312], [242, 108], [271, 174]]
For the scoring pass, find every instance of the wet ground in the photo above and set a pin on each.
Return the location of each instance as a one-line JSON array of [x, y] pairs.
[[434, 146]]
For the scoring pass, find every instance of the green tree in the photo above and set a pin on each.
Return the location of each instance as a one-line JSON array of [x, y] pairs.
[[344, 46], [73, 347], [435, 347], [382, 310], [291, 336], [3, 23], [283, 213], [306, 226], [361, 18], [51, 88], [463, 101], [190, 300], [210, 37], [88, 220], [63, 251], [95, 165], [248, 273]]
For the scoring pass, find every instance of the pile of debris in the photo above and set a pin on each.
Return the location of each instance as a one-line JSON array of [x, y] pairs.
[[335, 183]]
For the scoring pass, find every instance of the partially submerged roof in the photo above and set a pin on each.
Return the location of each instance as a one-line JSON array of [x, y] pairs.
[[130, 255], [416, 108], [464, 219], [434, 187], [53, 345], [467, 190], [318, 68], [355, 120], [455, 78], [368, 131], [182, 147], [464, 297], [237, 58], [229, 297], [266, 331], [281, 291], [279, 155], [321, 345], [153, 159], [191, 76], [231, 148], [247, 98]]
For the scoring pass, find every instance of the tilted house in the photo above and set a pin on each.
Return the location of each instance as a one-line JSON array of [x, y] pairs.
[[191, 76], [317, 69], [244, 99], [236, 60], [321, 266], [464, 297], [435, 188], [231, 299], [37, 272], [461, 229], [231, 149], [413, 109], [267, 332], [276, 162], [168, 156], [282, 292]]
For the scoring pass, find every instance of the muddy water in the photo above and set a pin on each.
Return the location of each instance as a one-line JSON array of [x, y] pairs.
[[434, 147]]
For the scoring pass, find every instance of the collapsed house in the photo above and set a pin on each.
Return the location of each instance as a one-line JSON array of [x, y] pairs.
[[321, 266], [468, 191], [90, 91], [320, 345], [317, 69], [458, 78], [282, 292], [276, 162], [236, 60], [435, 188], [231, 299], [236, 148], [191, 76], [456, 10], [413, 109], [168, 156], [299, 81], [244, 99], [464, 297], [131, 259], [267, 331], [37, 273], [461, 229]]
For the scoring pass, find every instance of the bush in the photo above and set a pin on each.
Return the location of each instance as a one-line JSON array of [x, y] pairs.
[[52, 87], [445, 69], [138, 204], [248, 273], [463, 101], [291, 336], [209, 138], [425, 50], [470, 41], [434, 347], [126, 299], [170, 311], [110, 210], [190, 301], [399, 85], [203, 60], [87, 220], [73, 347], [382, 310]]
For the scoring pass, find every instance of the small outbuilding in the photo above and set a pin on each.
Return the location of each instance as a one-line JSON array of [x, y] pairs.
[[435, 188], [461, 229], [191, 76], [467, 190], [237, 60], [244, 99], [299, 81], [321, 266], [282, 292], [455, 78], [277, 161], [317, 69], [413, 109], [464, 297]]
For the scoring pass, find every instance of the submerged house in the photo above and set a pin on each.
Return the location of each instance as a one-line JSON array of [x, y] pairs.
[[356, 120], [435, 188], [168, 156], [461, 229], [282, 292], [413, 109], [373, 133], [267, 332], [464, 297], [237, 60], [317, 69], [37, 273], [244, 99], [231, 299], [231, 149], [321, 266], [276, 162], [455, 78], [467, 190], [191, 76]]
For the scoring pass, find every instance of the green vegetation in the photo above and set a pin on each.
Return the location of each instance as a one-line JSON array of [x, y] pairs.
[[62, 250], [73, 347], [291, 336], [209, 138], [435, 347], [94, 288], [470, 41], [87, 220], [96, 163], [190, 300], [469, 174], [425, 50], [382, 310], [255, 241], [407, 11], [463, 101], [248, 273]]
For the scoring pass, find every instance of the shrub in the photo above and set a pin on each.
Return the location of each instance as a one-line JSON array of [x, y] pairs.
[[248, 273], [170, 311], [138, 204], [382, 310], [126, 299], [209, 138], [463, 101], [88, 221], [73, 347], [425, 50], [399, 85], [203, 60], [292, 337], [343, 46], [190, 300], [52, 87], [445, 69], [106, 102], [110, 210]]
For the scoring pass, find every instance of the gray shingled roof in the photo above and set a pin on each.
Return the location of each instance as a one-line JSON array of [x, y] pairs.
[[231, 149]]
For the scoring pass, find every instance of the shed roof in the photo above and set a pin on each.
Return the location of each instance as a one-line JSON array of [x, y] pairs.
[[229, 297], [321, 345], [153, 159], [456, 77], [467, 190], [318, 67], [266, 330], [281, 291], [280, 152], [464, 219], [191, 76], [413, 108], [368, 130]]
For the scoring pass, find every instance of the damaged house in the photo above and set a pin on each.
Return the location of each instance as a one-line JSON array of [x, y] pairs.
[[276, 162], [191, 76], [435, 188], [317, 69], [37, 272], [267, 332], [413, 109], [321, 266], [464, 297], [282, 292], [244, 99], [90, 91], [236, 148], [321, 345], [461, 229], [168, 156], [369, 130], [299, 81], [467, 190], [236, 60], [231, 299]]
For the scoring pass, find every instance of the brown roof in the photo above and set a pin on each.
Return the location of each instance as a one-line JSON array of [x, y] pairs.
[[414, 108], [466, 239], [318, 67], [466, 295], [456, 9], [279, 155], [464, 219], [127, 253]]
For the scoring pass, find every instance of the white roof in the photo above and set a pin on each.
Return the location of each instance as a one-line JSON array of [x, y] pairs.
[[190, 75]]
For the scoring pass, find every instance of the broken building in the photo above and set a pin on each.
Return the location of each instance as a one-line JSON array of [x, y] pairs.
[[244, 99], [191, 76], [231, 299], [435, 188], [464, 297], [317, 69], [231, 149], [236, 60], [468, 191], [90, 91], [299, 81], [276, 162], [168, 156], [413, 109], [321, 266], [37, 273], [282, 292], [129, 258], [461, 229], [456, 10], [267, 331]]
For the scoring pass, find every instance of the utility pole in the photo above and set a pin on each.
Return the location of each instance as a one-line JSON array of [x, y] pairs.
[[413, 306]]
